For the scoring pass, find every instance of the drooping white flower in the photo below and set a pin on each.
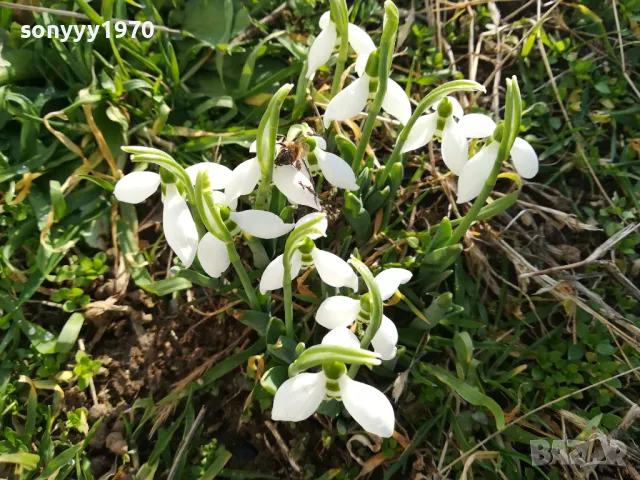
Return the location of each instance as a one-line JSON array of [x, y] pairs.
[[478, 169], [453, 128], [337, 172], [338, 312], [333, 270], [212, 251], [322, 47], [219, 175], [352, 100], [294, 183], [178, 225], [300, 396]]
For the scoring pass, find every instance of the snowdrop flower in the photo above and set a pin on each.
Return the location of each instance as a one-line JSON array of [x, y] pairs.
[[294, 183], [478, 169], [212, 251], [442, 123], [333, 270], [300, 396], [338, 312], [177, 223], [337, 172], [322, 47], [352, 100]]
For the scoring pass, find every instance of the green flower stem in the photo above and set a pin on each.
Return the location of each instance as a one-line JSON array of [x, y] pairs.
[[512, 118], [375, 318], [266, 145], [293, 241], [328, 354], [207, 206], [437, 94], [387, 45], [340, 16], [300, 102]]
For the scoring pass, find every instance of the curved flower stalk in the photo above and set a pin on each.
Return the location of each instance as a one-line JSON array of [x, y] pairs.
[[300, 396], [352, 100], [303, 254], [180, 228], [339, 312]]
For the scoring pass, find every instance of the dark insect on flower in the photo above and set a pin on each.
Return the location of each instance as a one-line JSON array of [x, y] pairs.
[[294, 153]]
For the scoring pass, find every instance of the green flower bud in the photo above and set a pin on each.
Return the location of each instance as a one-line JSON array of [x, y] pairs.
[[372, 64], [167, 177], [497, 133], [224, 213], [334, 370], [312, 143], [445, 109]]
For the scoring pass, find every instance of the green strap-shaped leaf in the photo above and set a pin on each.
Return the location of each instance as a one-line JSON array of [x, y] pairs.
[[469, 393]]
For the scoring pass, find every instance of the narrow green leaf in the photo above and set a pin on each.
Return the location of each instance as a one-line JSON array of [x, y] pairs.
[[469, 393], [69, 334]]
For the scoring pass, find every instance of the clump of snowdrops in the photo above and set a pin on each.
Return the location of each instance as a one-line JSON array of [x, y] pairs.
[[209, 210]]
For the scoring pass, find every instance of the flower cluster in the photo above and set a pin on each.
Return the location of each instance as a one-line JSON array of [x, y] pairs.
[[209, 208]]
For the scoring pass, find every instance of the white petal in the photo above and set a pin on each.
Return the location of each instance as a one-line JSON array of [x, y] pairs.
[[396, 102], [261, 224], [322, 225], [457, 110], [455, 147], [349, 102], [295, 186], [253, 148], [337, 312], [178, 225], [342, 337], [524, 158], [220, 198], [273, 275], [360, 40], [136, 187], [361, 63], [477, 125], [337, 172], [390, 279], [299, 397], [476, 172], [333, 270], [321, 49], [325, 20], [244, 179], [213, 255], [368, 406], [385, 340], [421, 132], [321, 143], [219, 175]]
